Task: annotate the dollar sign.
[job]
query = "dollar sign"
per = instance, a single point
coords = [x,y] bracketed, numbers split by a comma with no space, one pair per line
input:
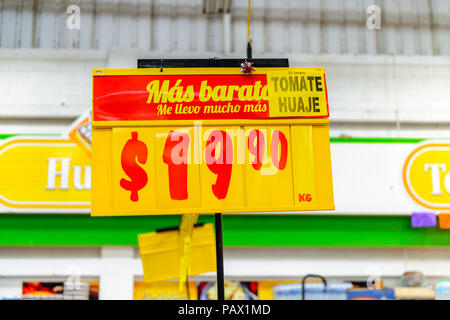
[134,150]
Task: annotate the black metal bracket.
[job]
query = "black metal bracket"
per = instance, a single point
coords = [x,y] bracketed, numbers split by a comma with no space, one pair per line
[313,276]
[211,63]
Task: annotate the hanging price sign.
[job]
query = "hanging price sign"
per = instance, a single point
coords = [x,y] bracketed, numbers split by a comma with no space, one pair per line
[210,140]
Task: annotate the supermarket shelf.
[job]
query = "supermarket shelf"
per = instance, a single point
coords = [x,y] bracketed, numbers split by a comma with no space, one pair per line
[116,268]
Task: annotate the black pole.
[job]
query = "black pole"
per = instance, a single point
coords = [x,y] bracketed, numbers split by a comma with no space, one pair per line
[219,257]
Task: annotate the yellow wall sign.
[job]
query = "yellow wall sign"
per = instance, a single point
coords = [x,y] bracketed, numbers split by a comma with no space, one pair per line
[426,175]
[42,174]
[214,140]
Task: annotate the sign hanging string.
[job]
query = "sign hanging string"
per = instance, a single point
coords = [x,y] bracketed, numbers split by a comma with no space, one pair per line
[247,65]
[248,21]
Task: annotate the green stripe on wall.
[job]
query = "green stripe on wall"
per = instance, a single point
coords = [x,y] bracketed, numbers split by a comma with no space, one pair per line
[239,230]
[4,136]
[374,140]
[332,139]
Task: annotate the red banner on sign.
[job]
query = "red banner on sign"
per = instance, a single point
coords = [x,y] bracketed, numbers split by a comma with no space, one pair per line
[180,97]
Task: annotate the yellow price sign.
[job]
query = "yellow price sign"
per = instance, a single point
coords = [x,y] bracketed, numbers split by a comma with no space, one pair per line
[209,141]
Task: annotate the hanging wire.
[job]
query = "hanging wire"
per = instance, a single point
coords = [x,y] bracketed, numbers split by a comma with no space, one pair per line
[249,41]
[247,65]
[248,20]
